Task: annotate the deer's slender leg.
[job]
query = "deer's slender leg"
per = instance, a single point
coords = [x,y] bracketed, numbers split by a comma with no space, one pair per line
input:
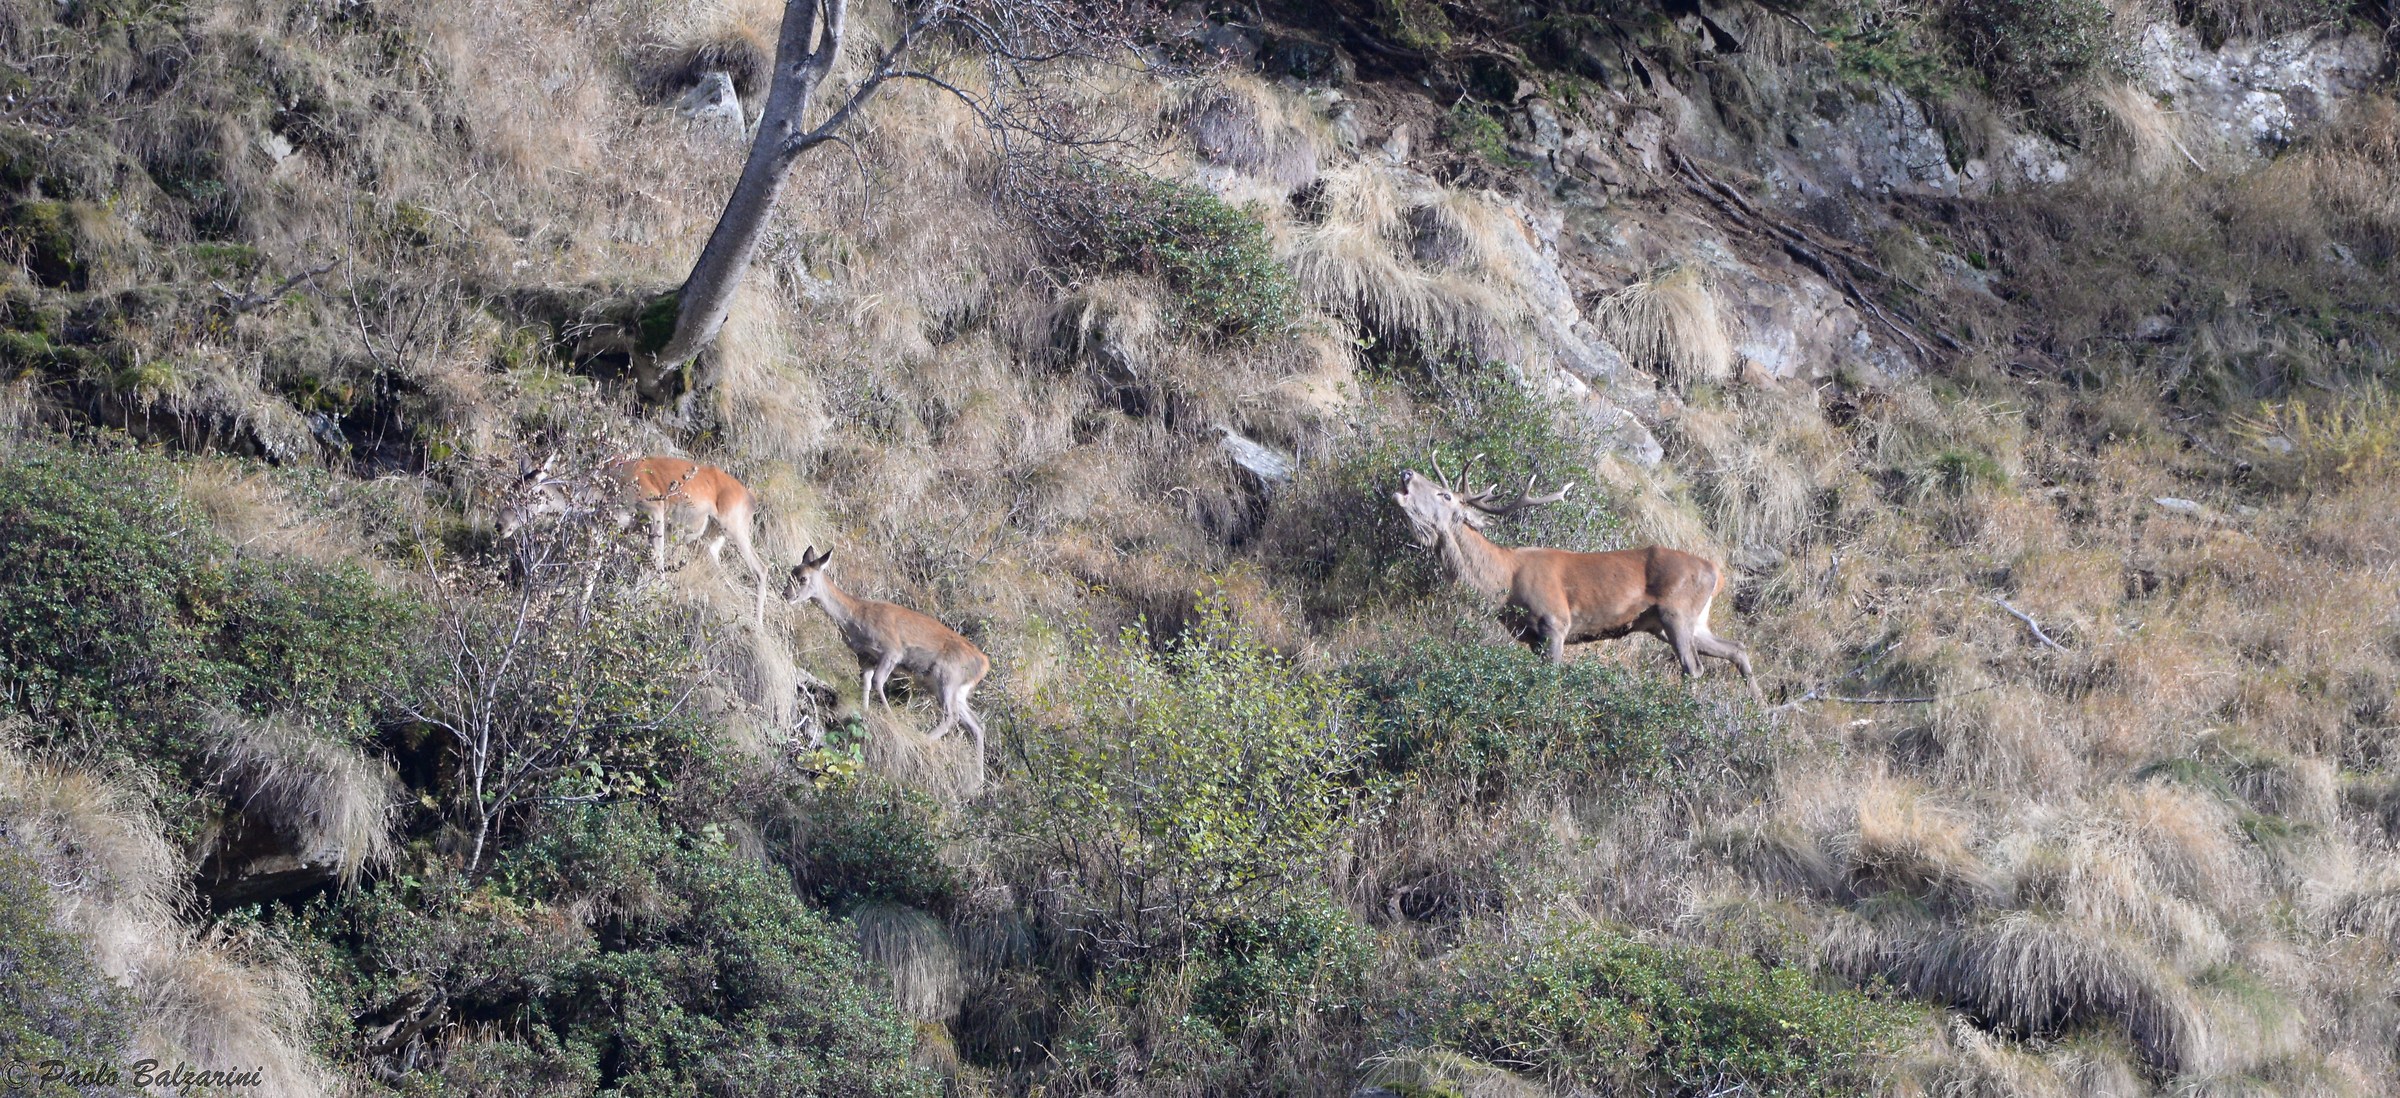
[976,727]
[1678,633]
[1554,637]
[740,533]
[949,716]
[883,675]
[658,537]
[1713,645]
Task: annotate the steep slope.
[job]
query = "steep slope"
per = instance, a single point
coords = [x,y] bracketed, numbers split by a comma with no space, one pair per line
[2030,363]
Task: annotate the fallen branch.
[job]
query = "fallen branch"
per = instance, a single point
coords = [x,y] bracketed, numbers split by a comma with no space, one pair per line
[1814,695]
[1807,250]
[249,300]
[2029,624]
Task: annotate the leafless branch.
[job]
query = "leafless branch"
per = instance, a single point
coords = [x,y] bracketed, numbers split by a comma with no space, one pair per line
[2029,624]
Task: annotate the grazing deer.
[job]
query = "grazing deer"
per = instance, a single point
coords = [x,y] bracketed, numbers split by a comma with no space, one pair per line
[697,497]
[1570,597]
[886,637]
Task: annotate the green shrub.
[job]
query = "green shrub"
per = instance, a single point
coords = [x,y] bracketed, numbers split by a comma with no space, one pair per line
[1308,955]
[124,620]
[2023,48]
[1346,544]
[693,971]
[1584,1003]
[54,1005]
[1214,256]
[734,986]
[861,842]
[1182,786]
[1495,720]
[1471,126]
[548,694]
[1419,25]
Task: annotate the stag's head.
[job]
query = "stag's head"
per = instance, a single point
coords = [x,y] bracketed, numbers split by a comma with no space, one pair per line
[809,578]
[1436,506]
[532,494]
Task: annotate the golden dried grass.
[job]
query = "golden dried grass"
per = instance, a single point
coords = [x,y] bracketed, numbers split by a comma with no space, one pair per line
[1668,323]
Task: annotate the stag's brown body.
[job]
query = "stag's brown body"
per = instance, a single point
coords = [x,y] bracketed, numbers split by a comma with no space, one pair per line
[1569,597]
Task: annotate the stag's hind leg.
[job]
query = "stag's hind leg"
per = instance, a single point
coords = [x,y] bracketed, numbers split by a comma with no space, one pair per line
[1712,645]
[954,707]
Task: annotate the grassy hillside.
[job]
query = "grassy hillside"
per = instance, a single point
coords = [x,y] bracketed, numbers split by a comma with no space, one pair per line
[2031,368]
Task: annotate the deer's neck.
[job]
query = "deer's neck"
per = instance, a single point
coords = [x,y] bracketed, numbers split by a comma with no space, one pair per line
[1473,560]
[839,605]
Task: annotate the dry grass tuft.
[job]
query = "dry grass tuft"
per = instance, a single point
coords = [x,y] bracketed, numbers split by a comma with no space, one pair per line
[1762,468]
[2038,975]
[1439,1071]
[332,798]
[913,950]
[1351,264]
[1669,325]
[898,748]
[2146,136]
[205,1000]
[1241,123]
[1900,839]
[1778,855]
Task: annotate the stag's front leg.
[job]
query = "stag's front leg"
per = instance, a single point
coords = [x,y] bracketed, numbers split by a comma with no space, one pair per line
[1678,635]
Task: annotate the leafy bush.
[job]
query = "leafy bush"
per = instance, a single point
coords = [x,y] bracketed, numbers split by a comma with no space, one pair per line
[124,620]
[1419,25]
[1183,786]
[861,842]
[1213,255]
[1500,720]
[1471,126]
[733,986]
[54,1005]
[1308,955]
[692,970]
[1586,1003]
[1345,541]
[2023,48]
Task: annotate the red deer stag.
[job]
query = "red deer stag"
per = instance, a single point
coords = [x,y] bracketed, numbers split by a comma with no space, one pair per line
[695,497]
[887,637]
[1570,597]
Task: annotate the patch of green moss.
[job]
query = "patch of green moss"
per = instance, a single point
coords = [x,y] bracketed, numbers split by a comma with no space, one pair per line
[655,324]
[217,259]
[46,230]
[1420,25]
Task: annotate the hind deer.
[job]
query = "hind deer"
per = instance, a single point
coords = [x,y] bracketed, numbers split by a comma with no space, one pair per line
[1570,597]
[887,637]
[697,497]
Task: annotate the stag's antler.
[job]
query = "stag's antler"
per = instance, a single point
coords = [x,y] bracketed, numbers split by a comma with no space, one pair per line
[1484,500]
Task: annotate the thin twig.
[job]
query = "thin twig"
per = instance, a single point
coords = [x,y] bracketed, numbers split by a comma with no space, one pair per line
[1814,696]
[2029,624]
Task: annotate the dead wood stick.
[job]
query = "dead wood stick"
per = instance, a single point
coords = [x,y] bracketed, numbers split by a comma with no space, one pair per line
[2029,624]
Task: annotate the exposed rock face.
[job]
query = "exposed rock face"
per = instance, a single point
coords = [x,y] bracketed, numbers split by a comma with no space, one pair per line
[713,107]
[2255,97]
[1881,144]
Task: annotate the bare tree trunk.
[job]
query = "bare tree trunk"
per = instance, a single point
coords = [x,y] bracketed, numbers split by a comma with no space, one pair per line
[804,53]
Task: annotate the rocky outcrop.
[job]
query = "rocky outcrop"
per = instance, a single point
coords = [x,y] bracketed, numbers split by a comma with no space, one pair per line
[2254,97]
